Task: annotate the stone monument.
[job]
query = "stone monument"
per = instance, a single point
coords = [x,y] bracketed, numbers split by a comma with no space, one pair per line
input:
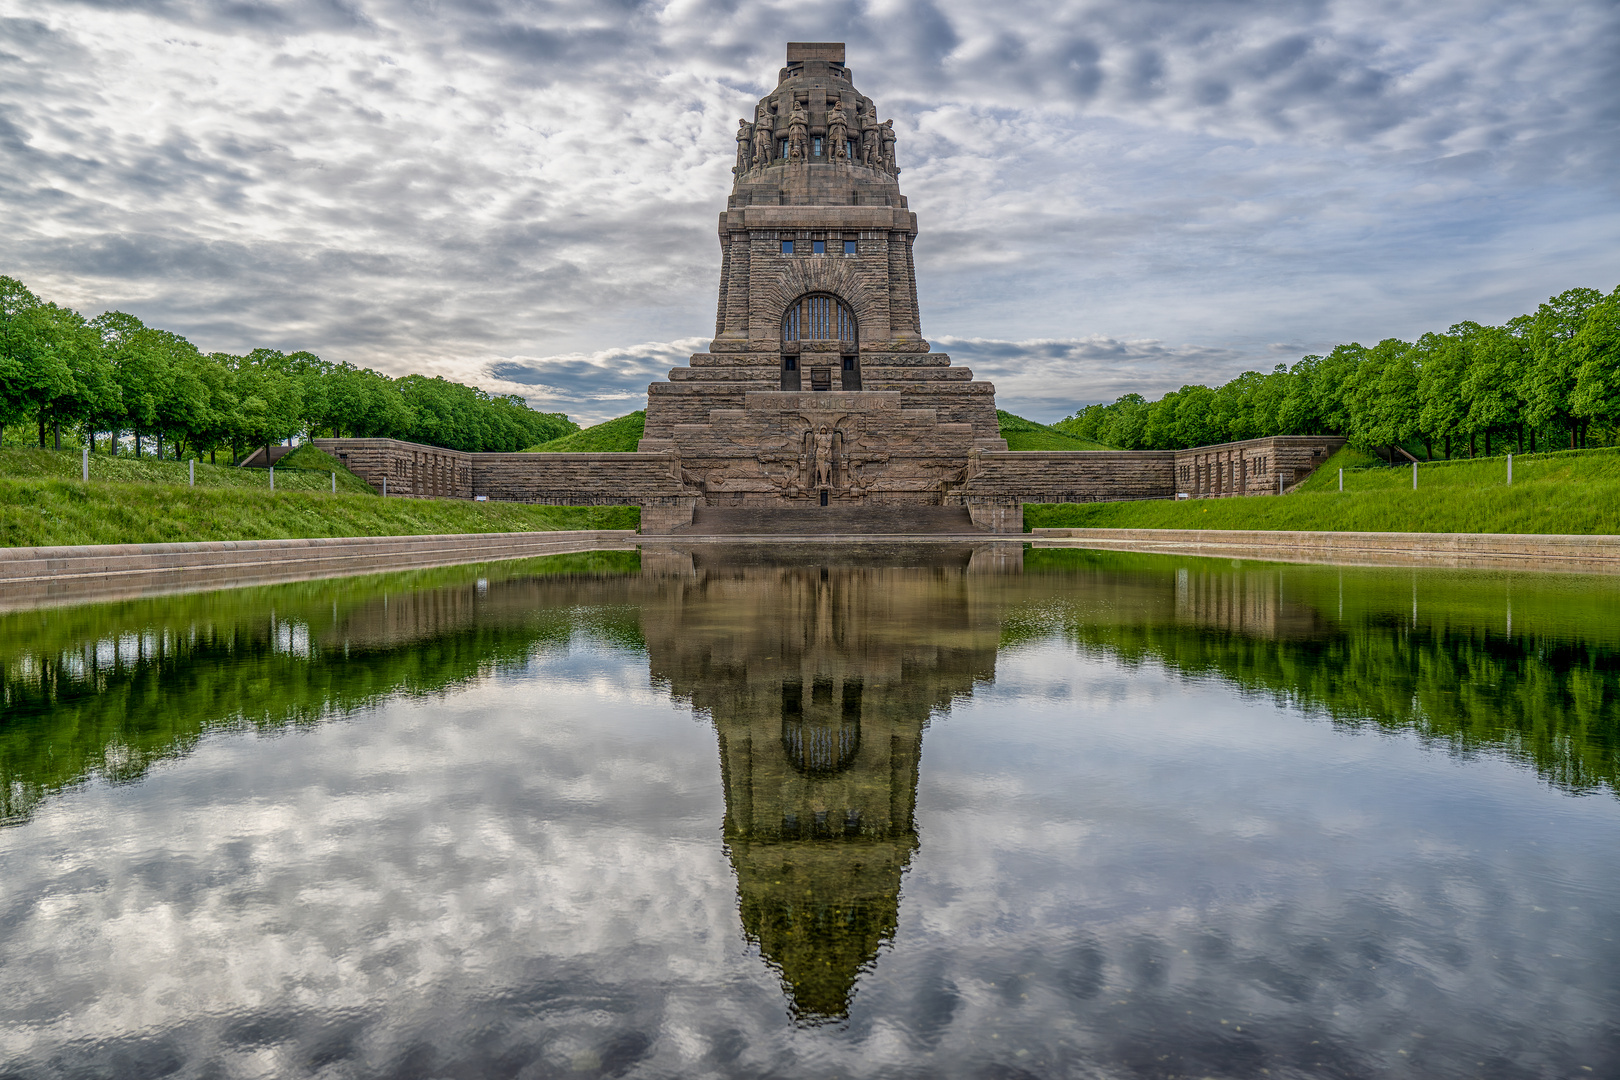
[819,389]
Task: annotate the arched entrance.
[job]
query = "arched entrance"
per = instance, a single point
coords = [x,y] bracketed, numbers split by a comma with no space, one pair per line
[820,336]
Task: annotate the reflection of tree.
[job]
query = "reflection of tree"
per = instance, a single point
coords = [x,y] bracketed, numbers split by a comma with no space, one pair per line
[819,681]
[110,689]
[1527,666]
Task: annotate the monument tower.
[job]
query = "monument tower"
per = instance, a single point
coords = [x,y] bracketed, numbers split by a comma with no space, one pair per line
[818,388]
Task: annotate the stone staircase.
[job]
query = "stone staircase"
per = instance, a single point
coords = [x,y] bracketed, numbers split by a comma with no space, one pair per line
[890,519]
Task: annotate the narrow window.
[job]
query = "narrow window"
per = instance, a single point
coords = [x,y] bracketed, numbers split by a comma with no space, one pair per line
[781,149]
[790,363]
[818,247]
[787,247]
[849,247]
[849,146]
[849,363]
[815,146]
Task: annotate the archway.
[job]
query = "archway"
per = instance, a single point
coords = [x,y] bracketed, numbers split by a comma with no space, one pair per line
[820,334]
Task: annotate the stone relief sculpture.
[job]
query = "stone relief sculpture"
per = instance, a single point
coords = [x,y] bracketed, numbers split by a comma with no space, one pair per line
[886,135]
[798,132]
[838,131]
[745,139]
[867,119]
[824,457]
[764,136]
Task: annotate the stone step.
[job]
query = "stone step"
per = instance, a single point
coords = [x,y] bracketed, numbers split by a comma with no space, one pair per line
[822,520]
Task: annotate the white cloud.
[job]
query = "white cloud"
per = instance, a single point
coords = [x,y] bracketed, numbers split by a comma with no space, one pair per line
[463,188]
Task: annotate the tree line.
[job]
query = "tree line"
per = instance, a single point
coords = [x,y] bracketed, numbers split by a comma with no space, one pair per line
[113,374]
[1546,380]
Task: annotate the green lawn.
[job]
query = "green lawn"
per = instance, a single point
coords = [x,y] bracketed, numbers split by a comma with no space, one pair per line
[1574,491]
[616,436]
[1024,434]
[305,469]
[129,500]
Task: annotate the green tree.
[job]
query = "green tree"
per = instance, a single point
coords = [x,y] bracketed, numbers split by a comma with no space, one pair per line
[1443,362]
[1597,348]
[1555,366]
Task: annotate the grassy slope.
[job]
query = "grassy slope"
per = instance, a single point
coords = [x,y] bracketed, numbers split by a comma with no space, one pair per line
[617,436]
[1569,492]
[128,501]
[305,469]
[1024,434]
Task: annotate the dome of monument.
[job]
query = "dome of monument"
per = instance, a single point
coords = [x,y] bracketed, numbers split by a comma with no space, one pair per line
[815,139]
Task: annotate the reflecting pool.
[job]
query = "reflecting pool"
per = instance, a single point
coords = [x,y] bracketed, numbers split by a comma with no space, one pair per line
[807,811]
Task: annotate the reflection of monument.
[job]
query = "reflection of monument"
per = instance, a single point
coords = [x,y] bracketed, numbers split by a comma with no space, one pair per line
[819,681]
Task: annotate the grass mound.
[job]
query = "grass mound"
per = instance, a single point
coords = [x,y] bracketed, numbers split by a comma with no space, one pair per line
[616,436]
[1024,434]
[1572,491]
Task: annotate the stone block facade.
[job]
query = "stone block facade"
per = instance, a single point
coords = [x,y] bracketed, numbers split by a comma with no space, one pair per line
[1253,467]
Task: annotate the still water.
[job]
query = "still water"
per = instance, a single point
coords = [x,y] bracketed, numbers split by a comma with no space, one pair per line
[818,813]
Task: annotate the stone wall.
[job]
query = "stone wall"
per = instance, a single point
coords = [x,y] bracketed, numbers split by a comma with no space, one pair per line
[411,469]
[416,471]
[1252,467]
[1054,476]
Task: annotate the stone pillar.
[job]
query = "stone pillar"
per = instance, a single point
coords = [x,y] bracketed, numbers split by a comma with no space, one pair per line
[725,276]
[902,318]
[737,286]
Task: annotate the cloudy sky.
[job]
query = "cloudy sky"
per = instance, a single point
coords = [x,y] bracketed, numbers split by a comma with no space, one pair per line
[1113,195]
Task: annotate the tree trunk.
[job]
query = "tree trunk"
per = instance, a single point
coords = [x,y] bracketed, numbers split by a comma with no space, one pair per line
[56,432]
[1520,430]
[1572,434]
[1428,449]
[1471,445]
[42,431]
[137,444]
[212,451]
[1448,447]
[160,446]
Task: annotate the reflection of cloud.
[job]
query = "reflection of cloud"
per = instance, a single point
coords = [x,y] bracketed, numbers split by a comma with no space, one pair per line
[449,187]
[528,874]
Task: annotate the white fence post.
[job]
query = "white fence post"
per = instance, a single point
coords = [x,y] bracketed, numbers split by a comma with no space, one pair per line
[1510,470]
[385,487]
[1341,481]
[1414,476]
[272,478]
[191,471]
[334,481]
[87,464]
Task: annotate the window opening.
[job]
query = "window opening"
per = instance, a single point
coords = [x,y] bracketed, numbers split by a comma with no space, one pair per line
[781,149]
[815,146]
[787,247]
[850,247]
[819,318]
[849,363]
[790,363]
[818,247]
